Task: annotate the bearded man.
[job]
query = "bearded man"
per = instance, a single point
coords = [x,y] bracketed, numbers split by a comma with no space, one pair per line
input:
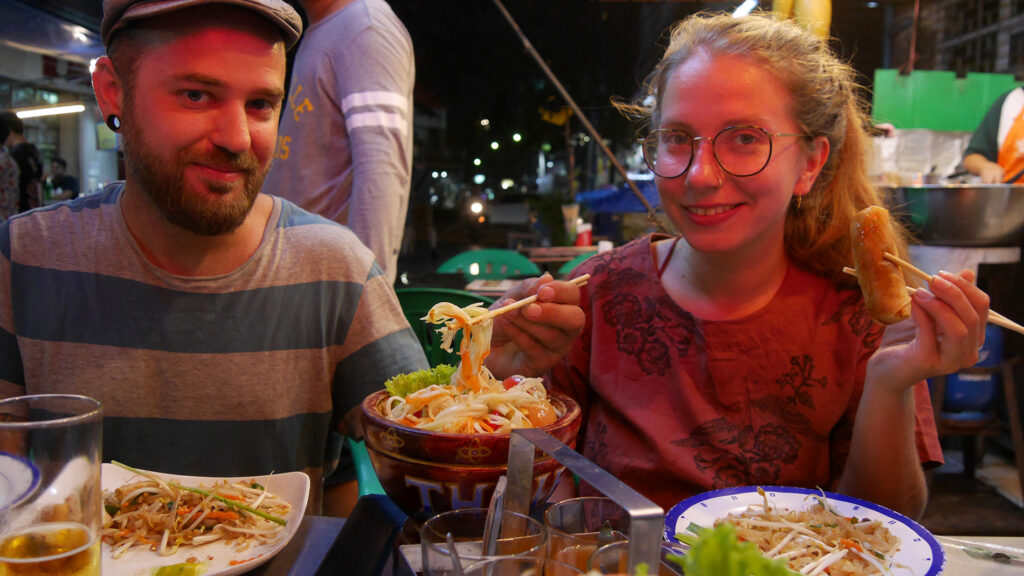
[227,332]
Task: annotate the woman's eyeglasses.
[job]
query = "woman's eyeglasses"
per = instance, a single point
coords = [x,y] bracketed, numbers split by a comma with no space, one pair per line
[739,150]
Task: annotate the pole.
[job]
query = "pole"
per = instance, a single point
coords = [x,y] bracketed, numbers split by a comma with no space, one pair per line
[651,215]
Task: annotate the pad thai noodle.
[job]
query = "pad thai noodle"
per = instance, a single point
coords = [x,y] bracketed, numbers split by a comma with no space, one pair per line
[818,540]
[474,401]
[162,515]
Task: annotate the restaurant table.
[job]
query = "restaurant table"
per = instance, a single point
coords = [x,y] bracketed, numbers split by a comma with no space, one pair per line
[490,288]
[958,563]
[306,550]
[547,254]
[360,545]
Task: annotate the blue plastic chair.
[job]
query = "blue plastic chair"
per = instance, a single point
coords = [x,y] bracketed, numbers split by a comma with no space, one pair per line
[489,264]
[416,302]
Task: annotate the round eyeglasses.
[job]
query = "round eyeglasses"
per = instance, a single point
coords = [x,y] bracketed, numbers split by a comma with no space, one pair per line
[739,150]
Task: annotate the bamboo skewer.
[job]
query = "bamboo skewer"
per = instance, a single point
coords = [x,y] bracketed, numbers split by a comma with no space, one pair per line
[520,303]
[993,316]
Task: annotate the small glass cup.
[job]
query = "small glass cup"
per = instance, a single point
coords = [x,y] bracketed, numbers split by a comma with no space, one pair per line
[614,559]
[519,536]
[521,566]
[50,513]
[579,526]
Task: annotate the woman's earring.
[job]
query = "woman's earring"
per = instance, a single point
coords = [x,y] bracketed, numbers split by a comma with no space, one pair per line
[114,122]
[799,200]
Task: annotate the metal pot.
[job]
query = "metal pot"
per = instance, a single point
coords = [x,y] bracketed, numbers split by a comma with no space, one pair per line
[961,215]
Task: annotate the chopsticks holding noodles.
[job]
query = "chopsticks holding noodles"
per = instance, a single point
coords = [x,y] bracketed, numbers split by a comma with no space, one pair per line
[993,316]
[520,303]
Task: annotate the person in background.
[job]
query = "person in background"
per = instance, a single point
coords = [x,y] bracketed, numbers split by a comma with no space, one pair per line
[30,163]
[738,353]
[345,147]
[63,186]
[226,332]
[9,176]
[996,149]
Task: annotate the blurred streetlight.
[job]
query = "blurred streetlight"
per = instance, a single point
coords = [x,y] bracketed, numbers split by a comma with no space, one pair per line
[517,137]
[494,145]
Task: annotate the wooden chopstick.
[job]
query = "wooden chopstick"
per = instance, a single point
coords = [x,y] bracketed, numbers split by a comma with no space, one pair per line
[993,316]
[520,303]
[921,274]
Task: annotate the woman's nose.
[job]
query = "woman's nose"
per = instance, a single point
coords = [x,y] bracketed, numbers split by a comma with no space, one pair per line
[704,170]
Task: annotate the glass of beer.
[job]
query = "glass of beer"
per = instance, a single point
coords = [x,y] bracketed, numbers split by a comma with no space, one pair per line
[50,493]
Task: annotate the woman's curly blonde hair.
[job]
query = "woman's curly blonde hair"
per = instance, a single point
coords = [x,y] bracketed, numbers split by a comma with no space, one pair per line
[827,101]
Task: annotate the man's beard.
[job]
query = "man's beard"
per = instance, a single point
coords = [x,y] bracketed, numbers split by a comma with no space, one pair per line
[165,185]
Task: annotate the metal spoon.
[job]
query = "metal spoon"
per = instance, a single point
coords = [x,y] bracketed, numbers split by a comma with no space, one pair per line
[492,524]
[456,561]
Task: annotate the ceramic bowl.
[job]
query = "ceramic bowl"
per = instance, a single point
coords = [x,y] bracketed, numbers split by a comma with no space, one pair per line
[426,472]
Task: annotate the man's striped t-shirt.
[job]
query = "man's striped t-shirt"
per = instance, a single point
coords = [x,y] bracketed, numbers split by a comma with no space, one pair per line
[240,374]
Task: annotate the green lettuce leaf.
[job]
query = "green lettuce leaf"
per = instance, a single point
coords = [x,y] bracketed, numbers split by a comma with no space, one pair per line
[405,384]
[718,552]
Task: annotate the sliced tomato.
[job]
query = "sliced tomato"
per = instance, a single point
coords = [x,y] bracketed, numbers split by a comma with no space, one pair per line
[511,381]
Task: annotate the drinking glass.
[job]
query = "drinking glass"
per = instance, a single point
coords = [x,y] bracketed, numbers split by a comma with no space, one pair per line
[519,536]
[50,493]
[613,559]
[579,526]
[521,566]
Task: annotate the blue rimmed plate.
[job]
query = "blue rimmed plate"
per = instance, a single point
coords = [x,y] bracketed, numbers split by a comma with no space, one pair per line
[919,551]
[18,479]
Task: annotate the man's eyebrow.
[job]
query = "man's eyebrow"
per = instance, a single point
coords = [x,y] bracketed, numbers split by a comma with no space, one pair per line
[197,78]
[213,82]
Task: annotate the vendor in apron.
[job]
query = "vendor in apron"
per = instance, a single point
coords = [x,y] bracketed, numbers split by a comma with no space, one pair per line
[996,151]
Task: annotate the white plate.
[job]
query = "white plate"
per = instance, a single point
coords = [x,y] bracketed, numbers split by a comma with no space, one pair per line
[290,486]
[18,479]
[919,550]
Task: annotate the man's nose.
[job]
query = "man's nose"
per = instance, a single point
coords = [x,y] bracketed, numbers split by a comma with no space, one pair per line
[231,131]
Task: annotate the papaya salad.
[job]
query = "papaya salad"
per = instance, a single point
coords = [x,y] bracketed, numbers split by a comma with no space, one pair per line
[162,515]
[817,540]
[467,399]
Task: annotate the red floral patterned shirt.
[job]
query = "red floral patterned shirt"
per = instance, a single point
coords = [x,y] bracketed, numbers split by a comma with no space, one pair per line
[674,405]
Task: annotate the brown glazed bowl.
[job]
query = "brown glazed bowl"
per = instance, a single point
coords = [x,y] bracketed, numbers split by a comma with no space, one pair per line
[426,472]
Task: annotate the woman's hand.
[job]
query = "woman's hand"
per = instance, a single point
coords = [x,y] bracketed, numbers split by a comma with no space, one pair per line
[943,335]
[945,329]
[529,341]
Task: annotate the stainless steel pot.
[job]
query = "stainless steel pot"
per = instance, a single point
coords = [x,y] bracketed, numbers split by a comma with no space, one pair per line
[961,215]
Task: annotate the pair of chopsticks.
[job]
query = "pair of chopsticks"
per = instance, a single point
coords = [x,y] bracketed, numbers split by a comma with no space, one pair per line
[520,303]
[993,316]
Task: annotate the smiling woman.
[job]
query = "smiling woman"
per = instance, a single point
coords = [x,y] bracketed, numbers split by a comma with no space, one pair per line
[737,352]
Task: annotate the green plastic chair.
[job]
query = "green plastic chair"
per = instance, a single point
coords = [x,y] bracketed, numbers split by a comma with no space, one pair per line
[491,264]
[365,474]
[416,302]
[566,268]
